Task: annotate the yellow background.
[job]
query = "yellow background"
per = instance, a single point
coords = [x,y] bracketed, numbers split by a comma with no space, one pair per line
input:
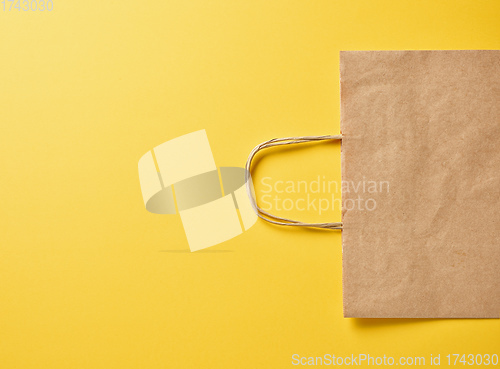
[90,279]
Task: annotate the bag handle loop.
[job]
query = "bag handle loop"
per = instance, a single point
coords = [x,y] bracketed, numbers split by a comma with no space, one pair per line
[274,219]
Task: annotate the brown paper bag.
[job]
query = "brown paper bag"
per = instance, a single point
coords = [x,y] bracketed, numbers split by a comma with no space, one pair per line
[421,183]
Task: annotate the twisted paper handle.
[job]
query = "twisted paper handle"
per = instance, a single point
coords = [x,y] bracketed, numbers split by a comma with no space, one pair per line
[273,218]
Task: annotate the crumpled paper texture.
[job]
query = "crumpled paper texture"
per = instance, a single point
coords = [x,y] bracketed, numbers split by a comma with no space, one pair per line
[428,123]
